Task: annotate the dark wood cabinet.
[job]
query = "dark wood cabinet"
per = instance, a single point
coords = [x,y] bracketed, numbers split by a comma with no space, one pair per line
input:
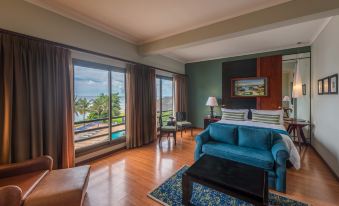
[208,120]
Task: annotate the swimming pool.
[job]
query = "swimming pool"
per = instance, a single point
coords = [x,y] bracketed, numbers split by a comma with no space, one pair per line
[116,135]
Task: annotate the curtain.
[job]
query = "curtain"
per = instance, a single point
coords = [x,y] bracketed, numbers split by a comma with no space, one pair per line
[181,93]
[36,101]
[141,106]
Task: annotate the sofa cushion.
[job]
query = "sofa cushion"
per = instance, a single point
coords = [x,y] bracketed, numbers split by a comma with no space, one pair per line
[26,182]
[61,187]
[257,138]
[250,156]
[223,133]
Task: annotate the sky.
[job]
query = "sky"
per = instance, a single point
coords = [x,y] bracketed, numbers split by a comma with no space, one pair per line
[93,82]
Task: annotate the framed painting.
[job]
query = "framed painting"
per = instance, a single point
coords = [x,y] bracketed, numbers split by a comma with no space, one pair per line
[304,89]
[320,87]
[326,88]
[333,81]
[249,87]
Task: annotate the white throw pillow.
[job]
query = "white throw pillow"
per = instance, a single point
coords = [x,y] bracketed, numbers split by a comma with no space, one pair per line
[271,112]
[245,111]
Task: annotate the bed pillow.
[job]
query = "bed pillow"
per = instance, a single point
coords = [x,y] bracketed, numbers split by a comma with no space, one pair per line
[234,114]
[268,116]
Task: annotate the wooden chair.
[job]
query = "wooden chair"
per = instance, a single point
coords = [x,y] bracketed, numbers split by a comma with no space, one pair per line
[167,129]
[182,123]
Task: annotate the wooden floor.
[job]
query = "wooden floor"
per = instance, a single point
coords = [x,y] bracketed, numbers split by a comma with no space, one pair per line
[125,177]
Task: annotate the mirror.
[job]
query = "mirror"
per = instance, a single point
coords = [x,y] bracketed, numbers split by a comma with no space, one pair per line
[296,87]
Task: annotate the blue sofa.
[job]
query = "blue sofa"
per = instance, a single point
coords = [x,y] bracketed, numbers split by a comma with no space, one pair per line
[258,147]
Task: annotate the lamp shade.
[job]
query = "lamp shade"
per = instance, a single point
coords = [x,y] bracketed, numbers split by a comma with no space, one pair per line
[212,101]
[297,83]
[286,99]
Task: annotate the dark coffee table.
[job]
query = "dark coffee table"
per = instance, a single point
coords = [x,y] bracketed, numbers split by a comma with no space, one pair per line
[238,180]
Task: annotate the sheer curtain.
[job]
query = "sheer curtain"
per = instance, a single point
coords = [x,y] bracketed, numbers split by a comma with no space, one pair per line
[36,101]
[181,93]
[141,105]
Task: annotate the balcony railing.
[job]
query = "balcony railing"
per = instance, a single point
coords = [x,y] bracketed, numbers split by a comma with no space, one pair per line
[88,127]
[165,116]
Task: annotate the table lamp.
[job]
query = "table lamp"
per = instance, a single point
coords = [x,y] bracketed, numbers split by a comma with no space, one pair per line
[212,102]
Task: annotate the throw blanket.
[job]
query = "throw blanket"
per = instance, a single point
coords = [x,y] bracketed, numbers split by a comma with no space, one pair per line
[294,154]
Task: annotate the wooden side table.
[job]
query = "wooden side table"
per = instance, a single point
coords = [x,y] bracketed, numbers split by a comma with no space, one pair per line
[295,128]
[208,120]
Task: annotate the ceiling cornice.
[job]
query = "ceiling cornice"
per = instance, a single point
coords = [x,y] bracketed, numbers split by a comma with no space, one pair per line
[48,5]
[250,53]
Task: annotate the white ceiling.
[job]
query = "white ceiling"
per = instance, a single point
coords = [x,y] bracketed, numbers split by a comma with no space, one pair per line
[281,38]
[140,21]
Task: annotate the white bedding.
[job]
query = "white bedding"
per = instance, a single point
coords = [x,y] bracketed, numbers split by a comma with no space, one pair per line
[294,154]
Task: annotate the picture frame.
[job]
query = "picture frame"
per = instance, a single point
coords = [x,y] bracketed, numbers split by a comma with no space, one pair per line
[249,87]
[304,89]
[326,85]
[320,87]
[333,84]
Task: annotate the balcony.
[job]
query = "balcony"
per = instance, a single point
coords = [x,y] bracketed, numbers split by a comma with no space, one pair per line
[93,132]
[165,116]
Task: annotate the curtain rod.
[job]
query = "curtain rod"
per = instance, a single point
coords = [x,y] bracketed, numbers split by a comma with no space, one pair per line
[80,49]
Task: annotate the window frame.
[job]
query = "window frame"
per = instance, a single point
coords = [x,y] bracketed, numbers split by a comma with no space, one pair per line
[109,69]
[161,77]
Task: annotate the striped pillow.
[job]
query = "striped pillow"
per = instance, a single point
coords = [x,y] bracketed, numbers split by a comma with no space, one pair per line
[236,116]
[266,118]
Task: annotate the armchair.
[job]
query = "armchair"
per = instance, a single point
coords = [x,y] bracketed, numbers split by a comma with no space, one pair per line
[29,183]
[19,179]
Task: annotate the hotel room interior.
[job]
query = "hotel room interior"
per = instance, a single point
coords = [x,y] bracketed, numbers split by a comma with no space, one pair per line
[149,102]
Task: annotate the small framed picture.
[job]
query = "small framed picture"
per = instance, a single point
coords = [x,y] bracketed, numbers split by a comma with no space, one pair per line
[320,87]
[304,89]
[326,88]
[333,80]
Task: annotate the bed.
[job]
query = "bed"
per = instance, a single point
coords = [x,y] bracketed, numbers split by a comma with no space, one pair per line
[294,154]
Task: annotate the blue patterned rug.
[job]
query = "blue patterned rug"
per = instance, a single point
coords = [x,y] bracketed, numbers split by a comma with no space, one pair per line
[170,193]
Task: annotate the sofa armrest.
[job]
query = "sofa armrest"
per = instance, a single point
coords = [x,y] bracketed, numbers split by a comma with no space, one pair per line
[279,151]
[37,164]
[10,195]
[201,139]
[203,136]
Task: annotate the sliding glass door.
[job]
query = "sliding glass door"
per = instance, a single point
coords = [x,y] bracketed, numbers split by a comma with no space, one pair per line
[164,98]
[99,105]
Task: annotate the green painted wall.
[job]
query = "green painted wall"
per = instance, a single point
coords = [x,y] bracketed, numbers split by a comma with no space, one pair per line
[205,79]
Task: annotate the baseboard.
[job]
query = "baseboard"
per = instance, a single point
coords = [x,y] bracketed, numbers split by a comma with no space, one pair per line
[332,171]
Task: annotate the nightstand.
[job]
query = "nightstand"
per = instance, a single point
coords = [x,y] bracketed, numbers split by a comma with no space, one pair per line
[208,120]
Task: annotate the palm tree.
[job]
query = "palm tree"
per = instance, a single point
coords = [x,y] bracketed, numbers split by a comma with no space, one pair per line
[100,106]
[116,104]
[82,106]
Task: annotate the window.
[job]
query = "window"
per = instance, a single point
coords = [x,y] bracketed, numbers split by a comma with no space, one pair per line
[99,104]
[164,86]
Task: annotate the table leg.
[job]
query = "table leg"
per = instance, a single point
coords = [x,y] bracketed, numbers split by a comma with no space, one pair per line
[303,135]
[299,137]
[289,129]
[186,190]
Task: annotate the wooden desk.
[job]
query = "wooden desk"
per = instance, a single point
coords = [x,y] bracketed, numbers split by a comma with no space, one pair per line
[295,128]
